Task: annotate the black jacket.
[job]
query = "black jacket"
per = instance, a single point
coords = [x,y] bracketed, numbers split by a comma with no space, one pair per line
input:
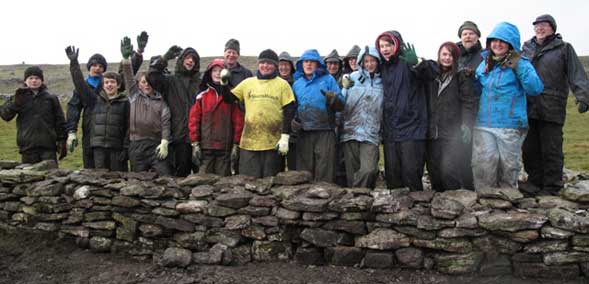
[453,105]
[40,122]
[559,68]
[179,91]
[469,58]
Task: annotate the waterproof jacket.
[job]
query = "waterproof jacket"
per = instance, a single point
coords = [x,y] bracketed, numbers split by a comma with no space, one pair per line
[216,124]
[40,122]
[238,74]
[451,103]
[312,110]
[503,100]
[149,115]
[559,67]
[404,102]
[109,127]
[179,91]
[469,58]
[362,114]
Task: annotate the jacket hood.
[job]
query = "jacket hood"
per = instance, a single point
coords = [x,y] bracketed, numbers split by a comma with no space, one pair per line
[396,37]
[353,53]
[285,56]
[332,56]
[310,54]
[506,32]
[189,51]
[371,50]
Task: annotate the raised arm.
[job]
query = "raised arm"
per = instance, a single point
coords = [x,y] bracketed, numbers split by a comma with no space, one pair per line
[77,77]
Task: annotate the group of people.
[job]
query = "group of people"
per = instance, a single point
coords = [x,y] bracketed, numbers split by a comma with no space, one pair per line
[467,116]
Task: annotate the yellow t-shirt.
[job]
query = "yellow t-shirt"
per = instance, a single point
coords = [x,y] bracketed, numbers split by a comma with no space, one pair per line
[263,101]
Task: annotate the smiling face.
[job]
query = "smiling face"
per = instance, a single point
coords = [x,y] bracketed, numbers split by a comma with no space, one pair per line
[309,67]
[543,30]
[353,64]
[284,69]
[445,57]
[144,86]
[333,67]
[266,67]
[369,63]
[188,62]
[499,47]
[387,49]
[468,38]
[96,70]
[110,86]
[231,56]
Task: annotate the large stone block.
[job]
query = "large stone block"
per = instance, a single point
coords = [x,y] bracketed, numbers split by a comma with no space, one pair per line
[320,237]
[507,194]
[271,251]
[383,239]
[458,263]
[344,256]
[410,257]
[293,177]
[176,257]
[511,221]
[569,221]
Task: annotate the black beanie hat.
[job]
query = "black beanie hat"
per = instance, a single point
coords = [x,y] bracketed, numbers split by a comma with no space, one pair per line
[34,71]
[232,44]
[548,19]
[268,55]
[468,25]
[97,59]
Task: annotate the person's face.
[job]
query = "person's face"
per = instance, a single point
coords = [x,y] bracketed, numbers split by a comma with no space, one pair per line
[144,86]
[445,57]
[284,69]
[499,47]
[188,62]
[469,38]
[266,68]
[543,30]
[96,70]
[110,86]
[231,56]
[369,63]
[332,67]
[33,82]
[353,64]
[387,49]
[216,74]
[309,67]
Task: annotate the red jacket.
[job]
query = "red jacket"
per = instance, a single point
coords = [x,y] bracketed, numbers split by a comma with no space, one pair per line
[214,123]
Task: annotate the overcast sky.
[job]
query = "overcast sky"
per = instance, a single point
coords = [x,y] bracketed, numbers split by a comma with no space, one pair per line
[37,31]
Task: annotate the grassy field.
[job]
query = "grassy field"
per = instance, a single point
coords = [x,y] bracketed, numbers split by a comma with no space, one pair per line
[576,133]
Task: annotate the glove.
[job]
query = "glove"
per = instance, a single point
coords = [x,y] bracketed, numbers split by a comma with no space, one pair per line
[466,134]
[161,151]
[21,97]
[72,141]
[409,56]
[196,153]
[173,52]
[142,41]
[123,155]
[330,96]
[72,52]
[234,153]
[583,107]
[225,75]
[282,145]
[62,149]
[295,126]
[347,82]
[126,47]
[512,61]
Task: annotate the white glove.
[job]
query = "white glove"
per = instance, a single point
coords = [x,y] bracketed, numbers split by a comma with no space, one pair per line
[347,82]
[225,75]
[72,141]
[162,150]
[282,145]
[196,152]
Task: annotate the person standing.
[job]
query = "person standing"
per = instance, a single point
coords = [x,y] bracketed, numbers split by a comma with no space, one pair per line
[560,69]
[350,60]
[286,70]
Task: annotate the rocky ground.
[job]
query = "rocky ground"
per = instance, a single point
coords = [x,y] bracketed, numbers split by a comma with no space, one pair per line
[42,258]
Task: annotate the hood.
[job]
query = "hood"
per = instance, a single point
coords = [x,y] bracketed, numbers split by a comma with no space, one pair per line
[206,77]
[285,56]
[180,67]
[353,53]
[397,39]
[371,50]
[310,54]
[332,56]
[506,32]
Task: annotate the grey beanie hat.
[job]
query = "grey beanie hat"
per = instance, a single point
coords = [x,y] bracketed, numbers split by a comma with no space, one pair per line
[232,44]
[469,25]
[548,19]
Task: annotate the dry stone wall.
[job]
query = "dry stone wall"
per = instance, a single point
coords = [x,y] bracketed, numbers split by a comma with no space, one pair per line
[207,219]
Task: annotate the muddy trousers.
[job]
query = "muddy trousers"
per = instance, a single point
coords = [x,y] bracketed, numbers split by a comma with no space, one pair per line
[33,156]
[542,155]
[361,159]
[496,156]
[181,159]
[404,163]
[143,158]
[316,154]
[216,162]
[111,159]
[444,160]
[259,164]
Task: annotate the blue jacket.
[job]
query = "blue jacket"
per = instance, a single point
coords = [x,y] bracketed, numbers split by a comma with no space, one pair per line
[503,100]
[362,114]
[312,110]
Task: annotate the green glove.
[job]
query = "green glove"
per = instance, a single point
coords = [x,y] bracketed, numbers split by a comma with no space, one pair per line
[409,57]
[126,47]
[172,52]
[142,41]
[466,134]
[583,107]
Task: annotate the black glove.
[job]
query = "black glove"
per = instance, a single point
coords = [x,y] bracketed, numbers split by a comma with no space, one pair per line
[330,96]
[583,107]
[72,52]
[142,41]
[21,97]
[173,52]
[62,149]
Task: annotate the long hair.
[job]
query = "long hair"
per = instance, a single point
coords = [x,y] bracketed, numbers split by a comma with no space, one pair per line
[454,51]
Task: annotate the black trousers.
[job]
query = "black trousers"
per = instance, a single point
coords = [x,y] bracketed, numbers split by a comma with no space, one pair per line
[87,152]
[444,159]
[107,158]
[404,162]
[181,159]
[316,154]
[143,158]
[259,164]
[216,162]
[543,156]
[34,156]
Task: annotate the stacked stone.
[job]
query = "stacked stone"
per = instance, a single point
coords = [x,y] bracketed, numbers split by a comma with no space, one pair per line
[207,219]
